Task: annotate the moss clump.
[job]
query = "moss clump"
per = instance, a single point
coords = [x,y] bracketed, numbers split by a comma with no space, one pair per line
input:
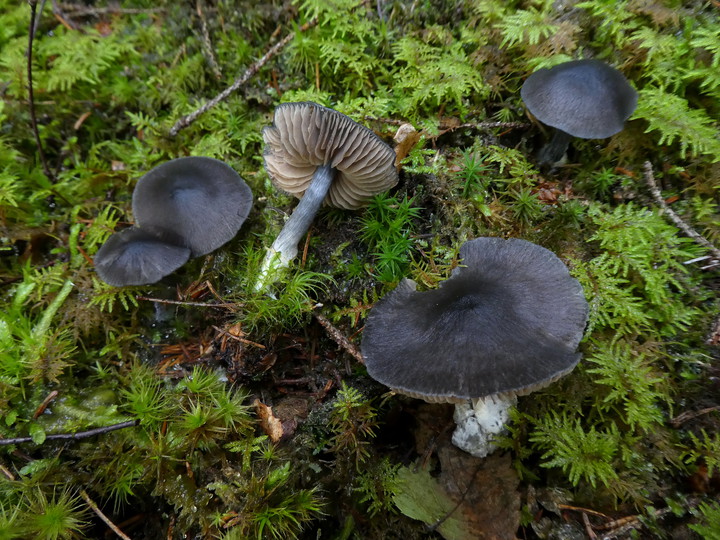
[185,357]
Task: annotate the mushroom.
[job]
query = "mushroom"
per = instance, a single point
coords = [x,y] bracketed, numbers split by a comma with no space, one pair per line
[320,155]
[197,202]
[582,98]
[136,257]
[507,322]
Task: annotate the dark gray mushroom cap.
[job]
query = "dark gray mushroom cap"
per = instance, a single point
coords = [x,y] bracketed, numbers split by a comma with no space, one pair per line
[305,135]
[197,202]
[585,98]
[507,322]
[136,257]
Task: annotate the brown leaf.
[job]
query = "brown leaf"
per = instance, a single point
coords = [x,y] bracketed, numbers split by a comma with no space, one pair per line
[482,495]
[406,136]
[271,424]
[485,489]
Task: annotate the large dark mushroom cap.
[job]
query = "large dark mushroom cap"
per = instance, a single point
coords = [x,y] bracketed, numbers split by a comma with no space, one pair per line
[305,135]
[197,202]
[136,257]
[585,98]
[508,321]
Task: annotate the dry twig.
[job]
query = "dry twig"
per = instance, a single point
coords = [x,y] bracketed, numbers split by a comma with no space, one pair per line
[229,305]
[681,418]
[588,527]
[81,10]
[185,121]
[102,516]
[72,436]
[676,219]
[31,94]
[338,337]
[41,408]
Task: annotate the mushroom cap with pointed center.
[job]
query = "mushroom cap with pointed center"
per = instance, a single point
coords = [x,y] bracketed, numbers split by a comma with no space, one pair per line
[198,202]
[585,98]
[508,321]
[136,257]
[306,135]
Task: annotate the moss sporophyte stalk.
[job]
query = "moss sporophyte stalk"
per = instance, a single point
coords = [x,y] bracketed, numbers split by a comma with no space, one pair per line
[183,387]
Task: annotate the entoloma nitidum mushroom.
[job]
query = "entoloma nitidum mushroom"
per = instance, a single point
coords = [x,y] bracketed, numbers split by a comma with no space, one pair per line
[507,322]
[184,208]
[320,155]
[582,98]
[197,202]
[135,257]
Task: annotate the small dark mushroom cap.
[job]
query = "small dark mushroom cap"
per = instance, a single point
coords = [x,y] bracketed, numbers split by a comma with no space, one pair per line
[197,202]
[136,257]
[507,322]
[585,98]
[305,135]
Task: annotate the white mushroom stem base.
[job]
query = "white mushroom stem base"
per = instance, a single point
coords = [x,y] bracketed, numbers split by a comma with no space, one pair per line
[285,247]
[478,421]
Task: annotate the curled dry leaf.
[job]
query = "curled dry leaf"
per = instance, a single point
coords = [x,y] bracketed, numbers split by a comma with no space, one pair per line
[406,136]
[271,424]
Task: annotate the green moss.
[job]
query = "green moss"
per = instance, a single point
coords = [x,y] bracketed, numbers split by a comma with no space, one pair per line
[108,87]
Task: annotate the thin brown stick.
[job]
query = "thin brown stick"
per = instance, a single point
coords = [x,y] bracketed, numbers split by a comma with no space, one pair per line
[677,220]
[102,516]
[583,510]
[303,260]
[491,125]
[79,11]
[238,338]
[474,125]
[588,527]
[73,436]
[185,121]
[10,476]
[31,93]
[681,418]
[185,303]
[338,337]
[41,409]
[62,17]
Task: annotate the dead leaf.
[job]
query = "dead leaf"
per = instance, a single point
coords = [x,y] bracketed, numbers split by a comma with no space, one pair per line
[484,502]
[271,425]
[486,491]
[291,411]
[406,136]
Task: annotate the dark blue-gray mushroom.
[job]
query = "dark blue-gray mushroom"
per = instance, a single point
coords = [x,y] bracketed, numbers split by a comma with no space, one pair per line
[507,322]
[320,156]
[583,98]
[136,257]
[196,202]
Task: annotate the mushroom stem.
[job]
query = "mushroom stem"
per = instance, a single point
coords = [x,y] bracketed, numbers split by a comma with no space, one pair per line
[478,421]
[554,151]
[285,247]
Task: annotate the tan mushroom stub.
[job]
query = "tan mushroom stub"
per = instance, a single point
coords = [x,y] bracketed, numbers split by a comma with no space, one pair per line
[306,135]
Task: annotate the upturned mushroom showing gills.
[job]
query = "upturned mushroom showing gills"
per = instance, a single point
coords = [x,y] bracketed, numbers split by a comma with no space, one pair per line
[507,322]
[197,202]
[320,155]
[136,257]
[582,98]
